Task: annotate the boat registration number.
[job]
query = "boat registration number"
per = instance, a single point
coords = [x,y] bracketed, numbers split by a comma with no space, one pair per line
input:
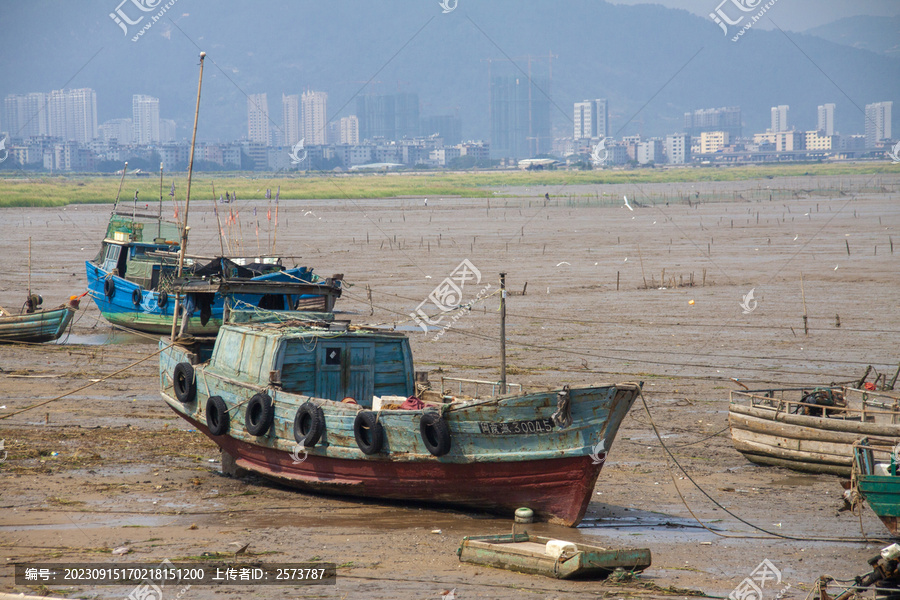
[516,427]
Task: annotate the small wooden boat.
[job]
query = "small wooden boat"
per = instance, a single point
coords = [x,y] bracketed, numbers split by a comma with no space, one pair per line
[36,325]
[325,406]
[875,478]
[536,554]
[810,429]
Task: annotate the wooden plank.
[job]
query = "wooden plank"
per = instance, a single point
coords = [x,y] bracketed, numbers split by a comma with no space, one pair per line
[817,468]
[826,424]
[789,430]
[754,447]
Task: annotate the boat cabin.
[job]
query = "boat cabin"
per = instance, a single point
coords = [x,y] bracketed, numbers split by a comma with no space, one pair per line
[332,361]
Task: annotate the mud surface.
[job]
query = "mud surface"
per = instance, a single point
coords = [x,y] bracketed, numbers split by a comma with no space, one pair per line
[110,466]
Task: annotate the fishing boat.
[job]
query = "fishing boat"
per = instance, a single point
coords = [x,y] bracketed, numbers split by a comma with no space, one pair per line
[326,406]
[810,429]
[132,279]
[875,478]
[540,555]
[34,324]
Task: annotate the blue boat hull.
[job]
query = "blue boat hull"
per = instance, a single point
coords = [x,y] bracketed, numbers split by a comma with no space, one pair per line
[120,308]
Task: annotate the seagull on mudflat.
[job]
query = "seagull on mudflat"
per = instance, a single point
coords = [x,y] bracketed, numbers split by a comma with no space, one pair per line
[628,206]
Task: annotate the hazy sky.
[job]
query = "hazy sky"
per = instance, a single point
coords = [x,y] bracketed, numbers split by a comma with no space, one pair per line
[793,15]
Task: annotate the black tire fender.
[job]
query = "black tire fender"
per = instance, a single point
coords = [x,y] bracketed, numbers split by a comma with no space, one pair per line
[137,297]
[217,415]
[260,414]
[435,433]
[162,299]
[184,383]
[109,288]
[369,432]
[309,424]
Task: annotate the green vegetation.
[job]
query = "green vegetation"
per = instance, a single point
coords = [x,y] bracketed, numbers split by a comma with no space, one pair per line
[59,190]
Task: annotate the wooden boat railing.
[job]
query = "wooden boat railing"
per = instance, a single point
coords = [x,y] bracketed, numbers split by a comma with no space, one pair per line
[860,405]
[478,382]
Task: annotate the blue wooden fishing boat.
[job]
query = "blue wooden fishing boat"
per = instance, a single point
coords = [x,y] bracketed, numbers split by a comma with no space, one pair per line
[875,478]
[326,406]
[36,325]
[132,279]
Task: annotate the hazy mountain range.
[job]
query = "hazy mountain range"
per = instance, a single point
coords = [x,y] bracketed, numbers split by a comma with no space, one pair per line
[651,62]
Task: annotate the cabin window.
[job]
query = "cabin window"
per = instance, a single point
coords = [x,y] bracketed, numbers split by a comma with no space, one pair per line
[111,257]
[332,356]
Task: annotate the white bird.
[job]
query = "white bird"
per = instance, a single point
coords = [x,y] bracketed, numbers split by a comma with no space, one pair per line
[426,201]
[628,206]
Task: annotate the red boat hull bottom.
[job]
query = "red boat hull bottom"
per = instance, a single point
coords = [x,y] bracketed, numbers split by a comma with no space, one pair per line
[557,490]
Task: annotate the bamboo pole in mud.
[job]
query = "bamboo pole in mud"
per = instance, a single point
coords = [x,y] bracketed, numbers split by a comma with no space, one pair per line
[187,201]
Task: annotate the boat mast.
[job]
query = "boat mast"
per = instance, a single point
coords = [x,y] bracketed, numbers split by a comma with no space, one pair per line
[159,222]
[187,200]
[29,268]
[121,181]
[502,333]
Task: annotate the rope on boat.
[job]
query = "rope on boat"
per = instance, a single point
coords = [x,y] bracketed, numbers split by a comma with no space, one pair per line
[61,396]
[769,534]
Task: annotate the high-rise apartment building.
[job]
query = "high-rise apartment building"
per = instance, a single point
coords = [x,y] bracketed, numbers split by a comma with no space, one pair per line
[145,119]
[72,115]
[25,115]
[290,119]
[258,119]
[349,130]
[780,118]
[713,119]
[825,121]
[591,119]
[315,117]
[118,130]
[678,148]
[520,116]
[878,123]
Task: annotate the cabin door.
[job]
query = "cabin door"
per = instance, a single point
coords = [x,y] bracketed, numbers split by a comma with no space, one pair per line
[346,369]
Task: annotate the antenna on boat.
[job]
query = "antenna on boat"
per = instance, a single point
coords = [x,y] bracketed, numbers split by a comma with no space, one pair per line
[159,221]
[121,181]
[502,333]
[187,200]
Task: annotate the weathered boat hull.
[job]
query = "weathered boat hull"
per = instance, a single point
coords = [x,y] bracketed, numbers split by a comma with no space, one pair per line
[527,554]
[798,442]
[557,490]
[548,468]
[37,327]
[148,316]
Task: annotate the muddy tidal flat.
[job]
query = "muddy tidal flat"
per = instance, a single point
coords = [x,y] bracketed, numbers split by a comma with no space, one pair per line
[651,293]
